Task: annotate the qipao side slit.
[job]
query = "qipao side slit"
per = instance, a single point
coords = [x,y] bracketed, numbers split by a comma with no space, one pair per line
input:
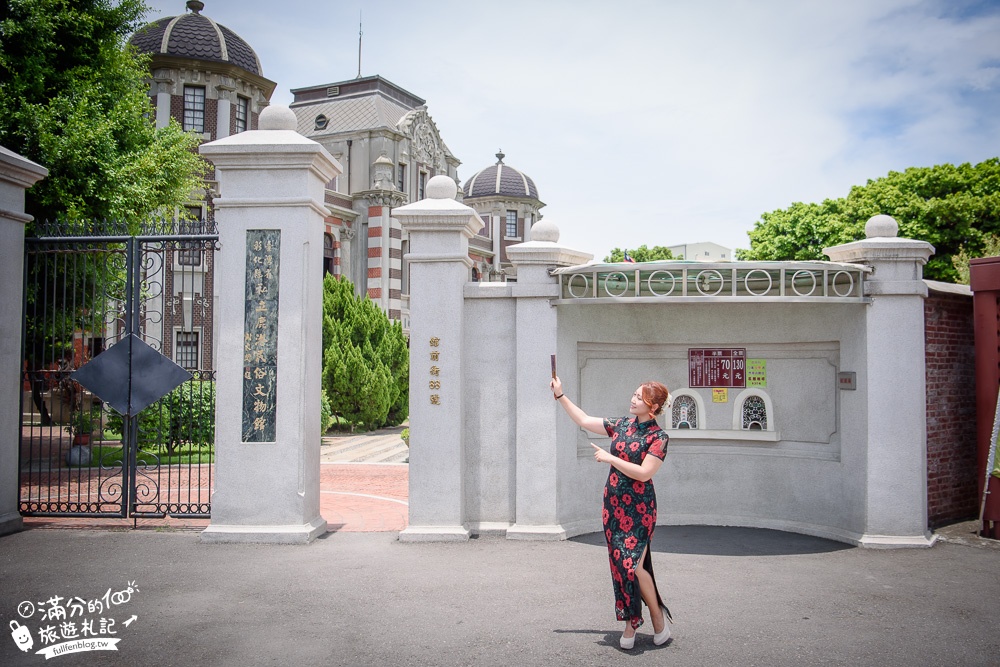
[629,514]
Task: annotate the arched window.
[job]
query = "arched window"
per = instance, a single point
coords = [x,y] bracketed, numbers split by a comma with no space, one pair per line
[684,413]
[686,410]
[754,414]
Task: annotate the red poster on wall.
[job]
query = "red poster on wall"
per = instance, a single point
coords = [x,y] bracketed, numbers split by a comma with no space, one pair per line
[717,367]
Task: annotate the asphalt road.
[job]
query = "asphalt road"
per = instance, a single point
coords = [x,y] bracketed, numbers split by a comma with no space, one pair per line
[739,597]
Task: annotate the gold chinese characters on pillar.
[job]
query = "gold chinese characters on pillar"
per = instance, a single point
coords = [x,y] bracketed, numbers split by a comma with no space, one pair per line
[260,336]
[435,382]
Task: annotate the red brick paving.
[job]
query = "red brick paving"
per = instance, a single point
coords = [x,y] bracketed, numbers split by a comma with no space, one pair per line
[354,497]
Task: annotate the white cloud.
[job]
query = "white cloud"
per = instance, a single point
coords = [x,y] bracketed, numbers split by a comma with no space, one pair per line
[662,123]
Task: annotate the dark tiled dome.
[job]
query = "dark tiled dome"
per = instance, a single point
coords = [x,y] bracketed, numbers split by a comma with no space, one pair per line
[195,36]
[500,180]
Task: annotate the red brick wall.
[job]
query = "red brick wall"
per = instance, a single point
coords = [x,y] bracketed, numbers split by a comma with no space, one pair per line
[951,408]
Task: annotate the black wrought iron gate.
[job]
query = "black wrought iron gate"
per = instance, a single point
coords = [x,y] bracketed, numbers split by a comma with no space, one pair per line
[88,288]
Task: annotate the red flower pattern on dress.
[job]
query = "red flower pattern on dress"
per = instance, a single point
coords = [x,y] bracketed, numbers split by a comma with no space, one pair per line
[630,508]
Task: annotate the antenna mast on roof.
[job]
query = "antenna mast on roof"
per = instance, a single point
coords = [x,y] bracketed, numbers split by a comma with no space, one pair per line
[359,43]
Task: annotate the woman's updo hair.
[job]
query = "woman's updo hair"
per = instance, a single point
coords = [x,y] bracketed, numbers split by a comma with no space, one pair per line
[655,393]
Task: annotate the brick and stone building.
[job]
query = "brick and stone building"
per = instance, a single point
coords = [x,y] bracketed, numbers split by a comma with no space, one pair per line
[389,147]
[210,80]
[507,201]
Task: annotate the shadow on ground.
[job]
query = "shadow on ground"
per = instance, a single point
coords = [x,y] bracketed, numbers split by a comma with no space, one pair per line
[728,541]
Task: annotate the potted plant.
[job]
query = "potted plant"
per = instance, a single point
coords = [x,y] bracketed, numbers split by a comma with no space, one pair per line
[81,426]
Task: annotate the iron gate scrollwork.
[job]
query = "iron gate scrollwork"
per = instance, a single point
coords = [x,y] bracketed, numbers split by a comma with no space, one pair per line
[88,288]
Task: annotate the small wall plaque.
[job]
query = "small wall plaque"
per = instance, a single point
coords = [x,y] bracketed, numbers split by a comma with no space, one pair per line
[847,380]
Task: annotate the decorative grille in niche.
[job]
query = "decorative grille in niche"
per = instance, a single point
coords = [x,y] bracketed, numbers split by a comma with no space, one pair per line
[684,413]
[754,414]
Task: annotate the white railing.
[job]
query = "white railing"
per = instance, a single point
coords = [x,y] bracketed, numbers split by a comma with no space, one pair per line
[703,281]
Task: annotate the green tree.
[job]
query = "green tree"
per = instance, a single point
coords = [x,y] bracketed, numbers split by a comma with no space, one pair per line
[365,359]
[991,248]
[955,209]
[73,98]
[641,254]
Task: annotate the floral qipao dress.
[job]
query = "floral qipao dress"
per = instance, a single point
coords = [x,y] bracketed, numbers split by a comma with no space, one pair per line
[630,511]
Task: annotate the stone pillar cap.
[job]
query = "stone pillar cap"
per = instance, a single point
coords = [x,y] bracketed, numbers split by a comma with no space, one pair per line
[881,226]
[543,230]
[439,210]
[277,117]
[543,249]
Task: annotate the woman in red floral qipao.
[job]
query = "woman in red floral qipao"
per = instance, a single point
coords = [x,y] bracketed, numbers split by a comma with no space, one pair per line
[638,447]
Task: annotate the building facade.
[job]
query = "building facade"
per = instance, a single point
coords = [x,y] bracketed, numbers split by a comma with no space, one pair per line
[210,80]
[390,148]
[705,251]
[507,201]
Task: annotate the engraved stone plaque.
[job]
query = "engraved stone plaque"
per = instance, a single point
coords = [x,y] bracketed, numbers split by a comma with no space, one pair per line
[260,336]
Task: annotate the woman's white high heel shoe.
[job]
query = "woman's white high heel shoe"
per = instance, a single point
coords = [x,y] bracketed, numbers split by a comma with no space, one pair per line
[661,637]
[626,642]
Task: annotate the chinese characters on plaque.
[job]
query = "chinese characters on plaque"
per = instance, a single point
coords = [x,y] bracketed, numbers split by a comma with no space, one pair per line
[260,336]
[435,382]
[717,367]
[756,372]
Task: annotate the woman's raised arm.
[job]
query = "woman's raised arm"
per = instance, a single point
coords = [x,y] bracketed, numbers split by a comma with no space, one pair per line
[579,417]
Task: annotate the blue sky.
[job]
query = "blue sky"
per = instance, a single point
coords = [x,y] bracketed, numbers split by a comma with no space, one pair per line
[661,122]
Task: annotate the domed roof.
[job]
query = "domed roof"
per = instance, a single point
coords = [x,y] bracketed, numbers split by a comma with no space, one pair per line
[196,36]
[500,180]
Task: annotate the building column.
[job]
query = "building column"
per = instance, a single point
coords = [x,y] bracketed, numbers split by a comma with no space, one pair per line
[538,459]
[439,229]
[378,233]
[17,174]
[270,215]
[895,478]
[497,220]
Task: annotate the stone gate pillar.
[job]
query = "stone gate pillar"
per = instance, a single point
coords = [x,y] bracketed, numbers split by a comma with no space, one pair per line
[538,459]
[895,478]
[269,278]
[439,230]
[17,174]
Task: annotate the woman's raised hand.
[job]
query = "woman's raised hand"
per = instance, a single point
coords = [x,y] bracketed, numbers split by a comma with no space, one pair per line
[556,386]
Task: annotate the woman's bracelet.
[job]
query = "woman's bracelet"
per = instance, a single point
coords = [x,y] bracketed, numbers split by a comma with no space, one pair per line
[559,396]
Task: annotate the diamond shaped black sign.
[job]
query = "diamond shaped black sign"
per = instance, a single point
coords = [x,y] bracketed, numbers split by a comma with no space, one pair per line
[130,375]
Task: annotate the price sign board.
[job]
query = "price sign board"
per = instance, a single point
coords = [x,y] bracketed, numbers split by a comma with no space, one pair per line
[717,367]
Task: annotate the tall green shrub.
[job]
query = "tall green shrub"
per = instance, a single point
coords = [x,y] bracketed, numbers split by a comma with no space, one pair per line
[365,359]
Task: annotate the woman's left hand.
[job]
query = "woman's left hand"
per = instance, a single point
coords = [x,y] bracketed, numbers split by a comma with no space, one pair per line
[600,455]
